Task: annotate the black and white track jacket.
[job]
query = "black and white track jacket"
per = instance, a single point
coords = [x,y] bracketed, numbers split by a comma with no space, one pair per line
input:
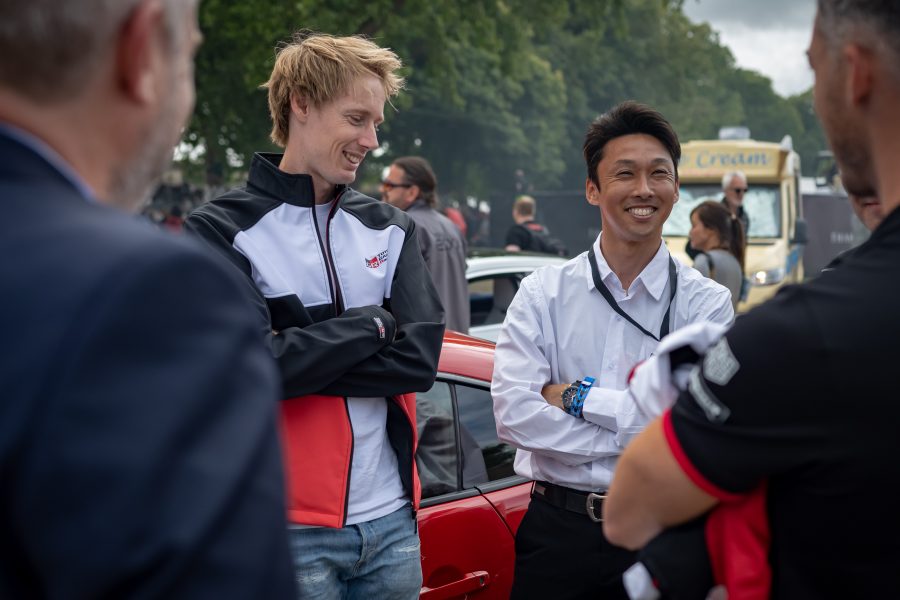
[353,314]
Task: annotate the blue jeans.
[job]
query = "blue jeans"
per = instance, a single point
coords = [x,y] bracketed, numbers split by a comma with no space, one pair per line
[377,559]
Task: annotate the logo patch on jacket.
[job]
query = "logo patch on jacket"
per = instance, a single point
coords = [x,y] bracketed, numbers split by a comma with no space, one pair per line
[377,260]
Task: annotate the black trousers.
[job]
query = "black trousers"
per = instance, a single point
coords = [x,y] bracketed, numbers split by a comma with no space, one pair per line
[561,554]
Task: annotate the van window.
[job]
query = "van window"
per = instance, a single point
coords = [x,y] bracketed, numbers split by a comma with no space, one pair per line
[762,203]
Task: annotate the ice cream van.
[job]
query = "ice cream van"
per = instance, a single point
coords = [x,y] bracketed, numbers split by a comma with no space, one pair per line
[777,229]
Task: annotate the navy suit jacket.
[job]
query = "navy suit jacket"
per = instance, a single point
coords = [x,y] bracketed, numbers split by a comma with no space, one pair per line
[138,447]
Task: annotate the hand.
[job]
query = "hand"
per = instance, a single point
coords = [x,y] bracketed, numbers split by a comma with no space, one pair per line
[553,394]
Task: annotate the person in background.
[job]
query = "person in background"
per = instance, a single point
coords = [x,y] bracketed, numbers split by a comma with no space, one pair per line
[347,307]
[734,190]
[526,234]
[718,237]
[411,186]
[139,456]
[456,217]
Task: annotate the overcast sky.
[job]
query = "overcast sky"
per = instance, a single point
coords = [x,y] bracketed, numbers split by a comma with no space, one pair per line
[768,36]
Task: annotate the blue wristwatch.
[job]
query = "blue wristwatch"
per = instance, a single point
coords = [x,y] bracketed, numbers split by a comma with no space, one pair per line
[573,397]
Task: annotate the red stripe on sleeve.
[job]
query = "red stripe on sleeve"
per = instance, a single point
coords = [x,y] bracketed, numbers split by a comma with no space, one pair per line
[689,469]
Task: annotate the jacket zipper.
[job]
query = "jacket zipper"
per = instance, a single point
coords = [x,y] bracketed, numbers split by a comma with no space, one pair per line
[349,467]
[338,303]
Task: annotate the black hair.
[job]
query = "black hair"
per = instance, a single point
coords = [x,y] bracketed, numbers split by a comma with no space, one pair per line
[714,215]
[627,118]
[418,172]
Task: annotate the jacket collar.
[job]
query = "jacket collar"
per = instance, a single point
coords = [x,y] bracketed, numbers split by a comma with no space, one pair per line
[33,156]
[291,188]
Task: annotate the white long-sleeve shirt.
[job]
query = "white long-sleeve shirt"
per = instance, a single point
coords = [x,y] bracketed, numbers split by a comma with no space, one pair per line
[559,329]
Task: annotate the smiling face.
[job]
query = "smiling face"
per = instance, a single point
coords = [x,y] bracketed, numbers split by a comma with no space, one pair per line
[637,190]
[330,141]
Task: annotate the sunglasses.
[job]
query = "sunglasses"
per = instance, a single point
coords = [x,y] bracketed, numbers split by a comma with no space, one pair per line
[739,190]
[389,185]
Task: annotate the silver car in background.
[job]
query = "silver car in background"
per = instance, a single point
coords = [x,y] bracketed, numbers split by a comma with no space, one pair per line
[494,277]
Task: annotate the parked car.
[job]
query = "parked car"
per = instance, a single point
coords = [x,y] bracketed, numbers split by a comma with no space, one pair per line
[472,500]
[494,277]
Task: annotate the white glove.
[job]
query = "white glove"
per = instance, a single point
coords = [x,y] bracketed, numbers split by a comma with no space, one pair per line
[653,386]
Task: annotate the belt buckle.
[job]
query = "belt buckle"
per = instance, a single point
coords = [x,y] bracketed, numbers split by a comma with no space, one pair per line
[589,505]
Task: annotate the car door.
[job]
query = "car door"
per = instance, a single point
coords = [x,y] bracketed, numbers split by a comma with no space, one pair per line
[472,501]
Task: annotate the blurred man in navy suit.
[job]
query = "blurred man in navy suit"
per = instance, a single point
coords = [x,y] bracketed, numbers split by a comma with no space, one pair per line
[138,449]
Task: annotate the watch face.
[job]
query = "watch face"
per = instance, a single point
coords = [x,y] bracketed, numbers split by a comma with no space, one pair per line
[568,396]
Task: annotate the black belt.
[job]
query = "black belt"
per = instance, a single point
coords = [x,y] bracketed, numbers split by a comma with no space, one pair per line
[577,501]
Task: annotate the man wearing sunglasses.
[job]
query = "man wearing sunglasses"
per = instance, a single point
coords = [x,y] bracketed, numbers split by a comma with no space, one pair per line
[411,186]
[734,185]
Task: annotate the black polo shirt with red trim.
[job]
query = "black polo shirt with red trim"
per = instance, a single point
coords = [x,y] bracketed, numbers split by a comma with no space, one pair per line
[803,393]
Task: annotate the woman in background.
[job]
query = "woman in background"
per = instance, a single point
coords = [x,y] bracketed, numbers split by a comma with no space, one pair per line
[721,241]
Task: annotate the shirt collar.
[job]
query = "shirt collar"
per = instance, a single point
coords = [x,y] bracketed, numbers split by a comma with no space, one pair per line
[654,276]
[292,188]
[51,156]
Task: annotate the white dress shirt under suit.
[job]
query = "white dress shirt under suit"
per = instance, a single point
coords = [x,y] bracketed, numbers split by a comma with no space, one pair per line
[559,329]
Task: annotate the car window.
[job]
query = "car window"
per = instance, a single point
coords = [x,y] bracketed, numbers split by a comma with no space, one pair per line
[453,455]
[487,458]
[436,457]
[489,297]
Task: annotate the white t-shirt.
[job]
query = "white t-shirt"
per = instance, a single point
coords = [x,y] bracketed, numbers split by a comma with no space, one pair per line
[375,486]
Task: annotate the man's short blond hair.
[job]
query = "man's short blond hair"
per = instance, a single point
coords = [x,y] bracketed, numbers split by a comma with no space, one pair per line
[525,206]
[322,67]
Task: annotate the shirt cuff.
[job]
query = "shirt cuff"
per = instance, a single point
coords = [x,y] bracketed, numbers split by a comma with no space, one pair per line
[603,406]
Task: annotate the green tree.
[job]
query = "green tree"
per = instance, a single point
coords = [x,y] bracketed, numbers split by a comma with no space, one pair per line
[494,86]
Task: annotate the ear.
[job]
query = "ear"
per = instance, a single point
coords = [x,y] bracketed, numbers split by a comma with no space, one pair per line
[300,106]
[591,192]
[677,188]
[860,67]
[139,53]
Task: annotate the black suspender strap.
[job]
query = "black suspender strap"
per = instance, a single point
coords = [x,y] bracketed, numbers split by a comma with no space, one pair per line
[673,284]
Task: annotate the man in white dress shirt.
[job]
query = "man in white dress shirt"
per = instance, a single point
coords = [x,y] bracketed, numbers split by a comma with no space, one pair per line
[571,337]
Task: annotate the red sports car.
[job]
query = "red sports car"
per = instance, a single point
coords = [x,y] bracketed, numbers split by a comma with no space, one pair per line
[472,501]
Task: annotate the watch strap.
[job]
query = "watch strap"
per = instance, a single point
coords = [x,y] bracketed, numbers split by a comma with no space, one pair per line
[577,408]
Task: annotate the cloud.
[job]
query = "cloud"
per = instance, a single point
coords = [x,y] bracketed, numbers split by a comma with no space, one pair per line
[762,14]
[767,36]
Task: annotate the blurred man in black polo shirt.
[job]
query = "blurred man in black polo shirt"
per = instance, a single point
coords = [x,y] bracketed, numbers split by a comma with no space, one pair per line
[794,398]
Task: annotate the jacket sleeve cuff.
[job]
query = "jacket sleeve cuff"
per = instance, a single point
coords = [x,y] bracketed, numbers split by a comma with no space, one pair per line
[384,324]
